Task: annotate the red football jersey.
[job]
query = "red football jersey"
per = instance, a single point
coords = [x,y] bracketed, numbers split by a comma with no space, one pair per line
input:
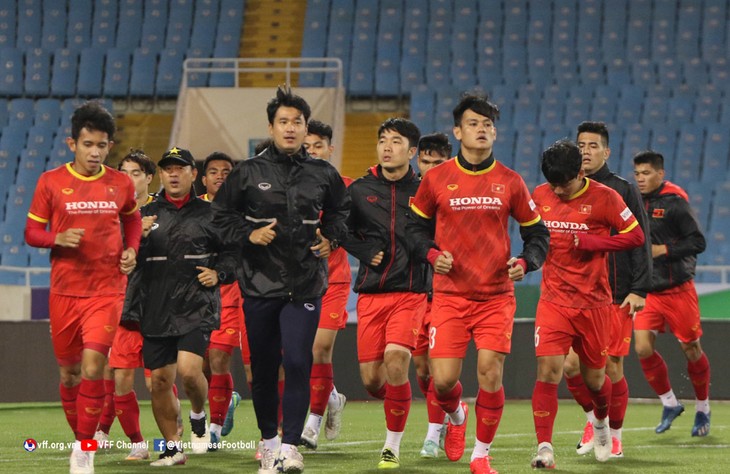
[471,209]
[572,277]
[65,199]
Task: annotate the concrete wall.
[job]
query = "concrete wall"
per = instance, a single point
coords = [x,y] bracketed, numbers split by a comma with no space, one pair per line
[29,371]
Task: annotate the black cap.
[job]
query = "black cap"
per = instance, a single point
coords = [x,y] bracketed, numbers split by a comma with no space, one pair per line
[177,156]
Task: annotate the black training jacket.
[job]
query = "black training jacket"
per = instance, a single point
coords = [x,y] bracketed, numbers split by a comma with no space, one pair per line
[303,194]
[673,224]
[380,211]
[629,271]
[164,293]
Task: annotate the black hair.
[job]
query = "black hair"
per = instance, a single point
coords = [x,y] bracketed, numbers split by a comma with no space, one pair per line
[478,103]
[594,127]
[435,142]
[217,156]
[92,116]
[561,162]
[263,145]
[404,127]
[138,156]
[285,98]
[321,129]
[656,160]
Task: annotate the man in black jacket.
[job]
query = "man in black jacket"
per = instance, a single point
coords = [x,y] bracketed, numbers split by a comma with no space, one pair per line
[630,278]
[174,294]
[676,240]
[289,211]
[392,287]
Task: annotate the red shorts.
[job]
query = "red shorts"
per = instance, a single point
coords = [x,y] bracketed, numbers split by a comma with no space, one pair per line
[677,307]
[557,328]
[229,334]
[387,318]
[79,323]
[245,351]
[334,307]
[422,338]
[455,320]
[126,350]
[619,336]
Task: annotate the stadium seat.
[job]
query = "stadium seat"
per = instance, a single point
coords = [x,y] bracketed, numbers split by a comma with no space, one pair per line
[8,24]
[638,32]
[64,73]
[37,72]
[422,106]
[116,73]
[29,30]
[104,29]
[47,112]
[11,72]
[78,31]
[4,114]
[91,72]
[700,199]
[131,17]
[142,75]
[663,27]
[715,155]
[15,256]
[169,73]
[153,30]
[21,112]
[504,146]
[713,28]
[614,30]
[688,29]
[40,139]
[687,161]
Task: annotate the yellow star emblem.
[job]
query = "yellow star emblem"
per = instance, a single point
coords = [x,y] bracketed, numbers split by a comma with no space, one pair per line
[174,151]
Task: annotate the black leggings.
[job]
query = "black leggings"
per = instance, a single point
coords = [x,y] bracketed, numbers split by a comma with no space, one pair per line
[281,331]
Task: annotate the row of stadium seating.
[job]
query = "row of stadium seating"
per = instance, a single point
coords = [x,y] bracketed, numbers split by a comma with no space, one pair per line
[115,49]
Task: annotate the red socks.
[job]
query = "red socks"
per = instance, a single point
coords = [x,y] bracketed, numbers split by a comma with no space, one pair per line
[280,415]
[619,402]
[127,410]
[107,414]
[544,410]
[219,396]
[580,392]
[423,384]
[602,399]
[435,413]
[449,402]
[320,387]
[489,412]
[397,405]
[699,375]
[68,402]
[655,372]
[89,404]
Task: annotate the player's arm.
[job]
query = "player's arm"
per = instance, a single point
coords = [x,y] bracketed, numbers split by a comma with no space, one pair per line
[639,257]
[359,243]
[689,238]
[536,241]
[228,207]
[335,210]
[628,238]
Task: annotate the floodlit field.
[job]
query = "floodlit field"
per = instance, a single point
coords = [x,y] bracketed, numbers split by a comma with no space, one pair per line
[357,449]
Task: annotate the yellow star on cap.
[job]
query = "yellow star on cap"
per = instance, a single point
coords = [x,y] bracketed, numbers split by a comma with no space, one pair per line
[174,151]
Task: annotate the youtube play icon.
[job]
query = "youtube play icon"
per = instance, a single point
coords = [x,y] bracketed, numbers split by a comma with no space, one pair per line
[89,445]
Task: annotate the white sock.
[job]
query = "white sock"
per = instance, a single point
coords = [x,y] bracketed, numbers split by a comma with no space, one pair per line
[392,441]
[272,444]
[616,433]
[458,416]
[434,432]
[481,450]
[215,429]
[334,400]
[197,416]
[669,399]
[285,448]
[703,406]
[590,416]
[600,423]
[77,445]
[315,422]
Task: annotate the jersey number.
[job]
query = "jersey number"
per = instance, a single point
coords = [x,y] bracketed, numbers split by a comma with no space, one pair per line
[431,337]
[537,336]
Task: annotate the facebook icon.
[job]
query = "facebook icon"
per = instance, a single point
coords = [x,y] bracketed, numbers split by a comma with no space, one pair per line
[159,444]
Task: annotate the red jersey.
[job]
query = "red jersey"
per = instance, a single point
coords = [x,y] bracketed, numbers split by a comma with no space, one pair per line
[65,199]
[472,210]
[572,277]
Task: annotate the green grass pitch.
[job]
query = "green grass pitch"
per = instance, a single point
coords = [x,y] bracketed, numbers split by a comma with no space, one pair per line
[357,449]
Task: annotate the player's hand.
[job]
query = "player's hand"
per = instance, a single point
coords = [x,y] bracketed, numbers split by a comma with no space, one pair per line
[576,240]
[128,261]
[147,222]
[515,271]
[443,263]
[635,302]
[377,259]
[263,235]
[207,276]
[658,250]
[70,238]
[321,247]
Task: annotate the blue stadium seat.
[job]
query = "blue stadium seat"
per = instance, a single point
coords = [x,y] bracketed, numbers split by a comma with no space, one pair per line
[204,26]
[422,106]
[655,110]
[104,29]
[21,112]
[39,257]
[577,109]
[67,109]
[707,104]
[37,72]
[715,155]
[29,171]
[680,110]
[643,72]
[29,25]
[153,30]
[15,256]
[142,76]
[527,155]
[91,72]
[614,30]
[116,74]
[40,139]
[663,26]
[687,161]
[629,104]
[636,139]
[700,199]
[78,31]
[196,79]
[688,29]
[664,140]
[713,28]
[8,168]
[47,112]
[4,114]
[8,26]
[178,34]
[589,27]
[696,71]
[169,73]
[670,72]
[638,32]
[413,59]
[504,147]
[11,72]
[131,17]
[64,73]
[387,78]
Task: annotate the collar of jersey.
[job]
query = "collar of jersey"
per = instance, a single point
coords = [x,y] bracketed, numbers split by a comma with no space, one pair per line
[462,164]
[582,190]
[86,178]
